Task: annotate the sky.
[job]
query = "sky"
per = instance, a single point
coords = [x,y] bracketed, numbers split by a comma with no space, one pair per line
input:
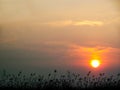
[42,35]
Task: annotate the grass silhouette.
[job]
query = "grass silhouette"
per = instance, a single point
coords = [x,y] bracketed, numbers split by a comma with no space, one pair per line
[55,81]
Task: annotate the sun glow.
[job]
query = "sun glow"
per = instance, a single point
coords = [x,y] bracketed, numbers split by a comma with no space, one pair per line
[95,63]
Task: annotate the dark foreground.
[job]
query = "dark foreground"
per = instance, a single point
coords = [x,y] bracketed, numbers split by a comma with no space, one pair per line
[55,81]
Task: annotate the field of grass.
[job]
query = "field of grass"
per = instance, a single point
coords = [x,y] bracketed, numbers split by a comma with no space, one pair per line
[56,81]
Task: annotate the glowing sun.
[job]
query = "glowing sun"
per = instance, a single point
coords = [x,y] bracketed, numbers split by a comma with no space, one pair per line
[95,63]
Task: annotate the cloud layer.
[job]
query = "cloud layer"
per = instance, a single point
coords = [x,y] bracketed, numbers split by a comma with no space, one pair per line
[75,23]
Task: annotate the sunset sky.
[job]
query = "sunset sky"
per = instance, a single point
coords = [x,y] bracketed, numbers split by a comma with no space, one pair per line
[59,34]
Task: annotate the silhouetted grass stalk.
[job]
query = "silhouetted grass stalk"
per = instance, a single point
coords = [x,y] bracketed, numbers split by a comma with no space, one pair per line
[56,81]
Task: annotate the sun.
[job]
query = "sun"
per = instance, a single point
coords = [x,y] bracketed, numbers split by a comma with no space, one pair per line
[95,63]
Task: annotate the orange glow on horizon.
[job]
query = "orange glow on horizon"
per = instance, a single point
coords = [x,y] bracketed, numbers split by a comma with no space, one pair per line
[83,56]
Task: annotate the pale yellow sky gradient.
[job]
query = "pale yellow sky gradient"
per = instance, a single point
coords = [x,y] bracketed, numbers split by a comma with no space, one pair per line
[39,11]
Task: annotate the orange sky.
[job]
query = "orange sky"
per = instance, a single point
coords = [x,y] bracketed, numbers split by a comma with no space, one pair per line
[59,33]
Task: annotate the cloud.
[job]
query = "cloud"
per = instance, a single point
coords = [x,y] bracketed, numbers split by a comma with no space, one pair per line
[74,23]
[62,23]
[88,23]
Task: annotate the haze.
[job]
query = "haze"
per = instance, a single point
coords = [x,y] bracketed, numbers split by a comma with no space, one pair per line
[59,34]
